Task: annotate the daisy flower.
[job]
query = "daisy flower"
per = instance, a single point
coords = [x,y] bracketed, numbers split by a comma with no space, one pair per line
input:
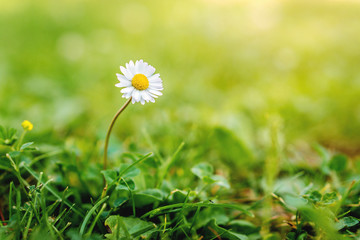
[139,82]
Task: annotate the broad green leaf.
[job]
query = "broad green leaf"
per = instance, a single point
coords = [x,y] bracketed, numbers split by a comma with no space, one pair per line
[109,175]
[203,170]
[179,196]
[131,172]
[221,181]
[315,196]
[113,222]
[147,197]
[207,214]
[208,180]
[347,222]
[130,184]
[243,227]
[338,163]
[329,198]
[122,187]
[223,233]
[26,145]
[120,201]
[121,226]
[14,154]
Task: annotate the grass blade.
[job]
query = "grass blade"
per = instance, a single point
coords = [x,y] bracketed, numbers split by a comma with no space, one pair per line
[134,163]
[88,215]
[96,219]
[53,191]
[159,210]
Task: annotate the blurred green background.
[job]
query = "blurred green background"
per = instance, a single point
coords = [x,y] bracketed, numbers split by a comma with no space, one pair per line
[224,63]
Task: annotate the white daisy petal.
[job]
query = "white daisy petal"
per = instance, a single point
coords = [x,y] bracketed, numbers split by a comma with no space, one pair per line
[137,66]
[147,96]
[156,92]
[126,73]
[123,84]
[155,78]
[131,63]
[128,68]
[155,88]
[149,71]
[128,95]
[121,77]
[131,67]
[144,95]
[136,95]
[153,95]
[155,85]
[127,90]
[156,81]
[141,66]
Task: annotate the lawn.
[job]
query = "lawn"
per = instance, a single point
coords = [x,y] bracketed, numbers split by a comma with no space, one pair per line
[256,134]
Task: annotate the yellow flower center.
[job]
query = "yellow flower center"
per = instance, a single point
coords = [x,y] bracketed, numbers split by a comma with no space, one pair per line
[140,81]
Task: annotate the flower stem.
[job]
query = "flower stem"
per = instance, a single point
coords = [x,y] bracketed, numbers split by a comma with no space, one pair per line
[109,131]
[21,139]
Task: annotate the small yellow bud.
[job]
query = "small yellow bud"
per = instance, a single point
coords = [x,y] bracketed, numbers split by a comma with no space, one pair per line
[27,125]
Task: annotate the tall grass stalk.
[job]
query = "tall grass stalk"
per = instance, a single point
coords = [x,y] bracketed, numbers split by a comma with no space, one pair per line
[272,164]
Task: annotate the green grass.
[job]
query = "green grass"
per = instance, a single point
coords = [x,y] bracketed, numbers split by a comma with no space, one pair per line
[257,134]
[154,198]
